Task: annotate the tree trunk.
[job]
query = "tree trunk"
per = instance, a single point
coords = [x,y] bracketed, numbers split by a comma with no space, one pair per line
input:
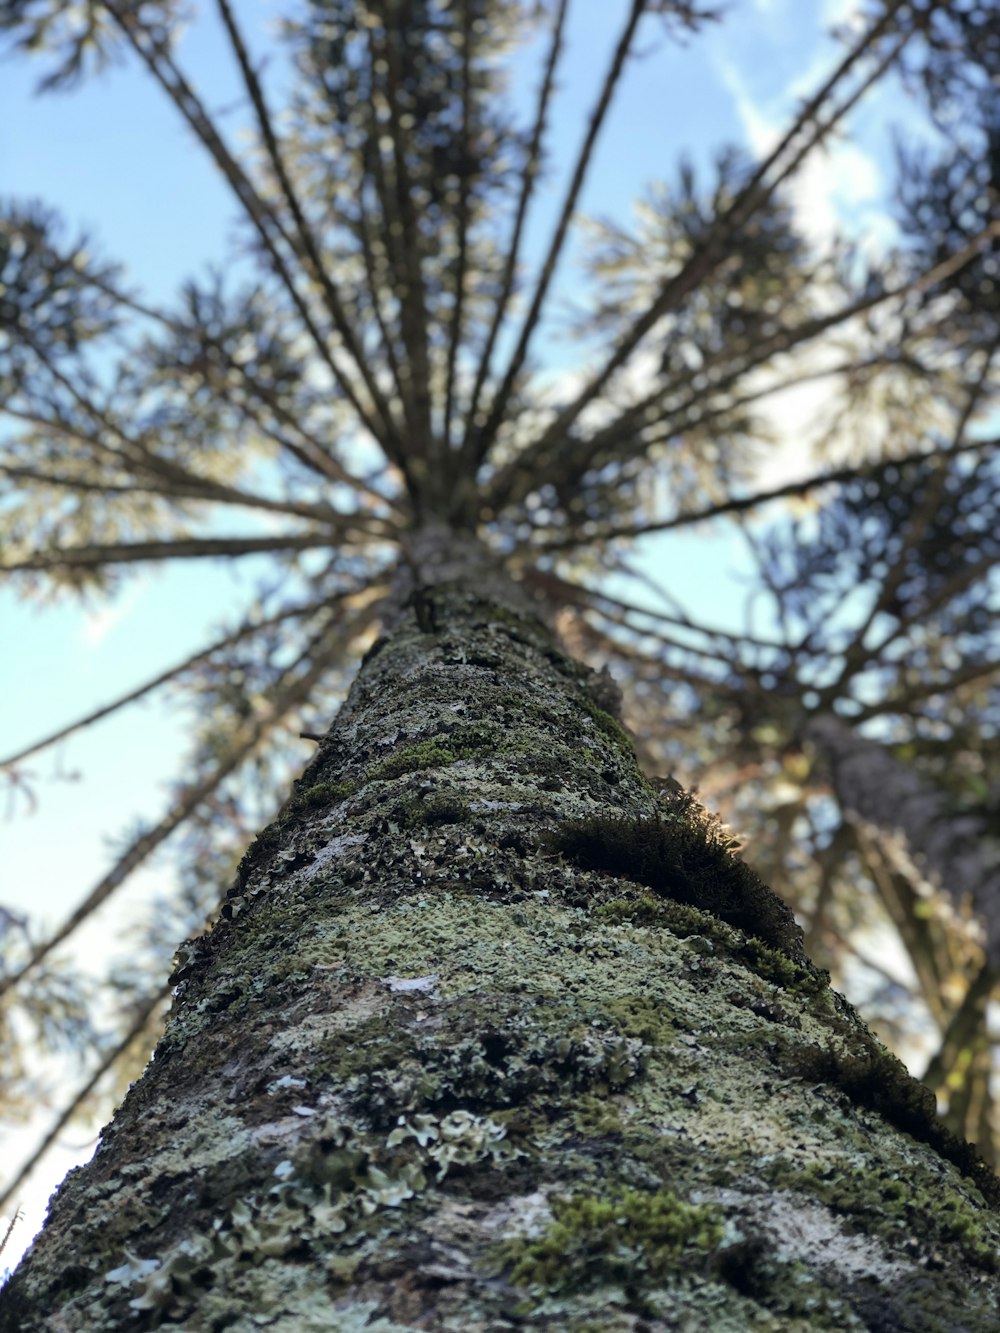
[494,1034]
[955,851]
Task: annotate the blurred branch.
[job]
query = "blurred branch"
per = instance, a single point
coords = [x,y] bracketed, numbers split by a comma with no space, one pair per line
[861,651]
[963,1024]
[202,655]
[742,504]
[181,548]
[110,1057]
[289,692]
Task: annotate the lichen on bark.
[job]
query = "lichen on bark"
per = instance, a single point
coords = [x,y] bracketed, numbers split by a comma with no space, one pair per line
[429,1047]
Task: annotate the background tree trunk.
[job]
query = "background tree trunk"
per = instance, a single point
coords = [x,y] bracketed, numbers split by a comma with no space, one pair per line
[468,1052]
[954,850]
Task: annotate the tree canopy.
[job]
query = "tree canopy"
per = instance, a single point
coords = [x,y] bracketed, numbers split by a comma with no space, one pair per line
[376,360]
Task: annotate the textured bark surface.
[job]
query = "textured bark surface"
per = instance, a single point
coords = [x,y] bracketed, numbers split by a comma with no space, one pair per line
[431,1072]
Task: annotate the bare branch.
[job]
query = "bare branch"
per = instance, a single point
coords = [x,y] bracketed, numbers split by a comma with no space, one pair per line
[861,651]
[267,225]
[975,672]
[512,483]
[139,455]
[742,504]
[966,1019]
[717,244]
[181,548]
[388,335]
[617,609]
[204,490]
[303,610]
[314,456]
[809,113]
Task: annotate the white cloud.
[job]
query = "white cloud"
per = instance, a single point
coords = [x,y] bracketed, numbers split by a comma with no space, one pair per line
[837,188]
[846,13]
[761,131]
[835,191]
[97,625]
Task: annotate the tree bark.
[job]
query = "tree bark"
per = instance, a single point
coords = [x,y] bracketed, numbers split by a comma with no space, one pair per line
[495,1034]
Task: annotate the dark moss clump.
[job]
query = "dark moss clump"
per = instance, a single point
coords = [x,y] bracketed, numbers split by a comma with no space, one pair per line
[323,793]
[633,1240]
[426,754]
[884,1201]
[433,811]
[645,909]
[684,855]
[874,1078]
[468,738]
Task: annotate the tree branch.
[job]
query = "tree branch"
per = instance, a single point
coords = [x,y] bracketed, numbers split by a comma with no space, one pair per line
[307,243]
[110,1057]
[743,504]
[290,692]
[264,221]
[502,396]
[860,653]
[717,243]
[471,443]
[315,458]
[202,655]
[191,548]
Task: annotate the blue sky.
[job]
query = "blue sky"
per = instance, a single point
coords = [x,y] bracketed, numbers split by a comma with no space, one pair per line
[115,158]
